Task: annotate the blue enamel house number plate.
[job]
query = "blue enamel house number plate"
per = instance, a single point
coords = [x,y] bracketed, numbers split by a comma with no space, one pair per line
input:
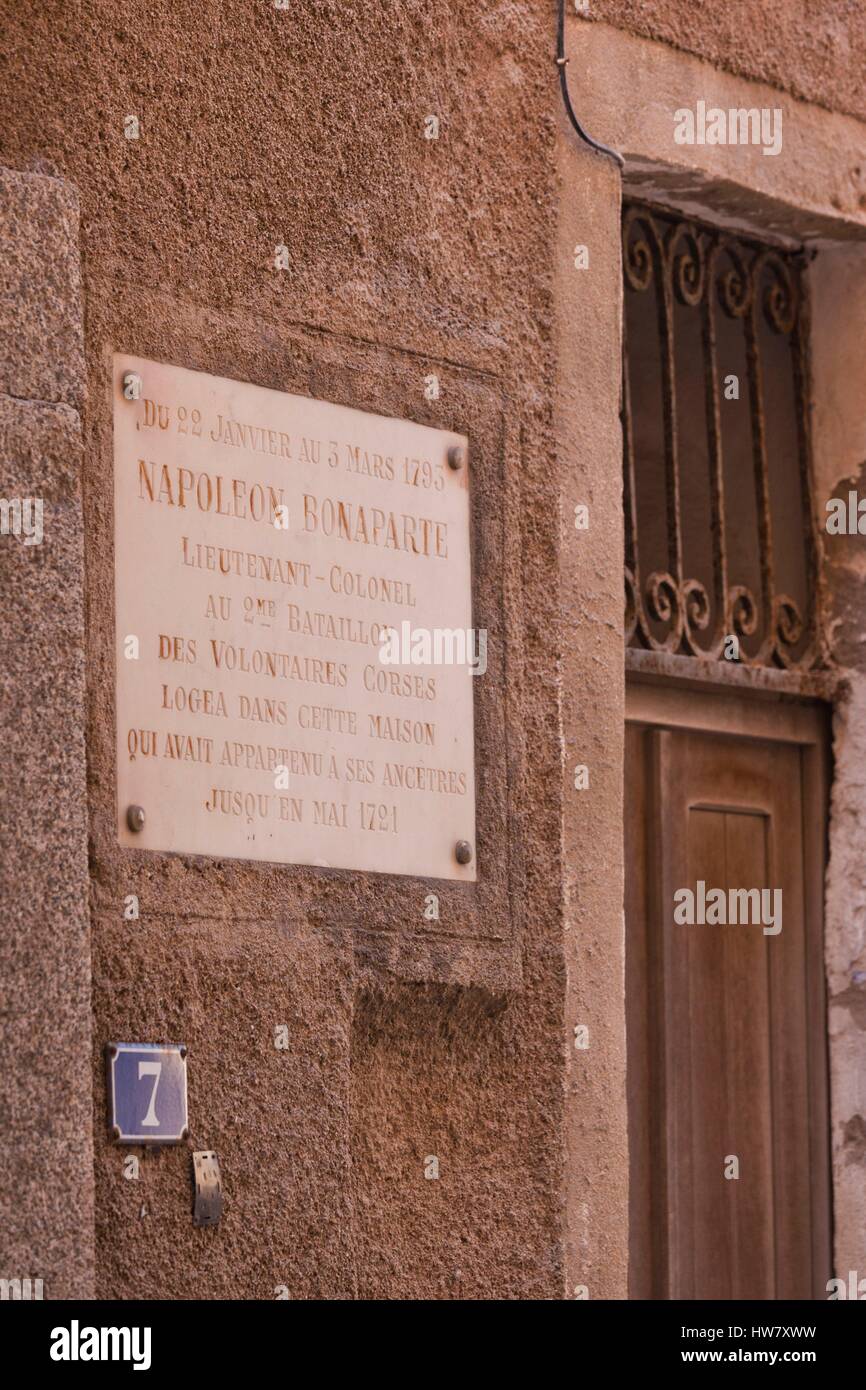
[147,1093]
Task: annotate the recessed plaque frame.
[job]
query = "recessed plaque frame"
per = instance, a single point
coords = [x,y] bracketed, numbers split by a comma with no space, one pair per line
[381,916]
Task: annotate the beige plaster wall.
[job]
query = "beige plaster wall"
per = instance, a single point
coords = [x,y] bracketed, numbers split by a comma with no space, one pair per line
[812,49]
[591,713]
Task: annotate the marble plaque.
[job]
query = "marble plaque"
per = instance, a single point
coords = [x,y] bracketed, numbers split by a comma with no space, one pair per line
[294,629]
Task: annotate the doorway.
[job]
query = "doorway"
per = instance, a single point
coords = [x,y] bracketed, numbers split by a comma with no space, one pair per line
[726,799]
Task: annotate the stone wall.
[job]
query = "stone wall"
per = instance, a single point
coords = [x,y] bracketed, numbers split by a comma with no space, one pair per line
[46,1155]
[305,128]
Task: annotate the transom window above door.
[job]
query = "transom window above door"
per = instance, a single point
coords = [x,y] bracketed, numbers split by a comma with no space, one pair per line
[721,539]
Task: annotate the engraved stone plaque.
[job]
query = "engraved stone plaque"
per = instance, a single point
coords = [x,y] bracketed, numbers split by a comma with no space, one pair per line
[295,649]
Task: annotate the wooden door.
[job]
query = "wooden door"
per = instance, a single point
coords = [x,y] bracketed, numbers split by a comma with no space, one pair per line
[729,1142]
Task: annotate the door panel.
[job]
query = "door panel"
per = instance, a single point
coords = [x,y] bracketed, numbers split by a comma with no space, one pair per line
[725,1061]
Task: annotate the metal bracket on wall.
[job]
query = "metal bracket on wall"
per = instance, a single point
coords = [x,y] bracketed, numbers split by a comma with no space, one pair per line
[208,1205]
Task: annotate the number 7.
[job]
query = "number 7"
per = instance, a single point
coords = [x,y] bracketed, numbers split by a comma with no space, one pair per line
[150,1069]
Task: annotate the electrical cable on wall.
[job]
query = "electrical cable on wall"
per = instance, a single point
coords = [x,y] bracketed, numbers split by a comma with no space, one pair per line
[561,62]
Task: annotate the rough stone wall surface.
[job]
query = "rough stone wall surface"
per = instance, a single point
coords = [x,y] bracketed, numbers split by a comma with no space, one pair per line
[846,972]
[424,1063]
[810,48]
[46,1154]
[305,127]
[838,298]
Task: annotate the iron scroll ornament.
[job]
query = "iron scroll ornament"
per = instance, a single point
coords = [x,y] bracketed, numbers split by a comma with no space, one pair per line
[710,271]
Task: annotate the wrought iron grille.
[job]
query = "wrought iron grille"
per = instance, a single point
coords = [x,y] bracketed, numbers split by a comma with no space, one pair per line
[721,539]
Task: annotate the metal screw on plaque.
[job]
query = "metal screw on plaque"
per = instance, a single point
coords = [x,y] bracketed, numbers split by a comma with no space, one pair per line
[463,851]
[456,457]
[135,818]
[132,386]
